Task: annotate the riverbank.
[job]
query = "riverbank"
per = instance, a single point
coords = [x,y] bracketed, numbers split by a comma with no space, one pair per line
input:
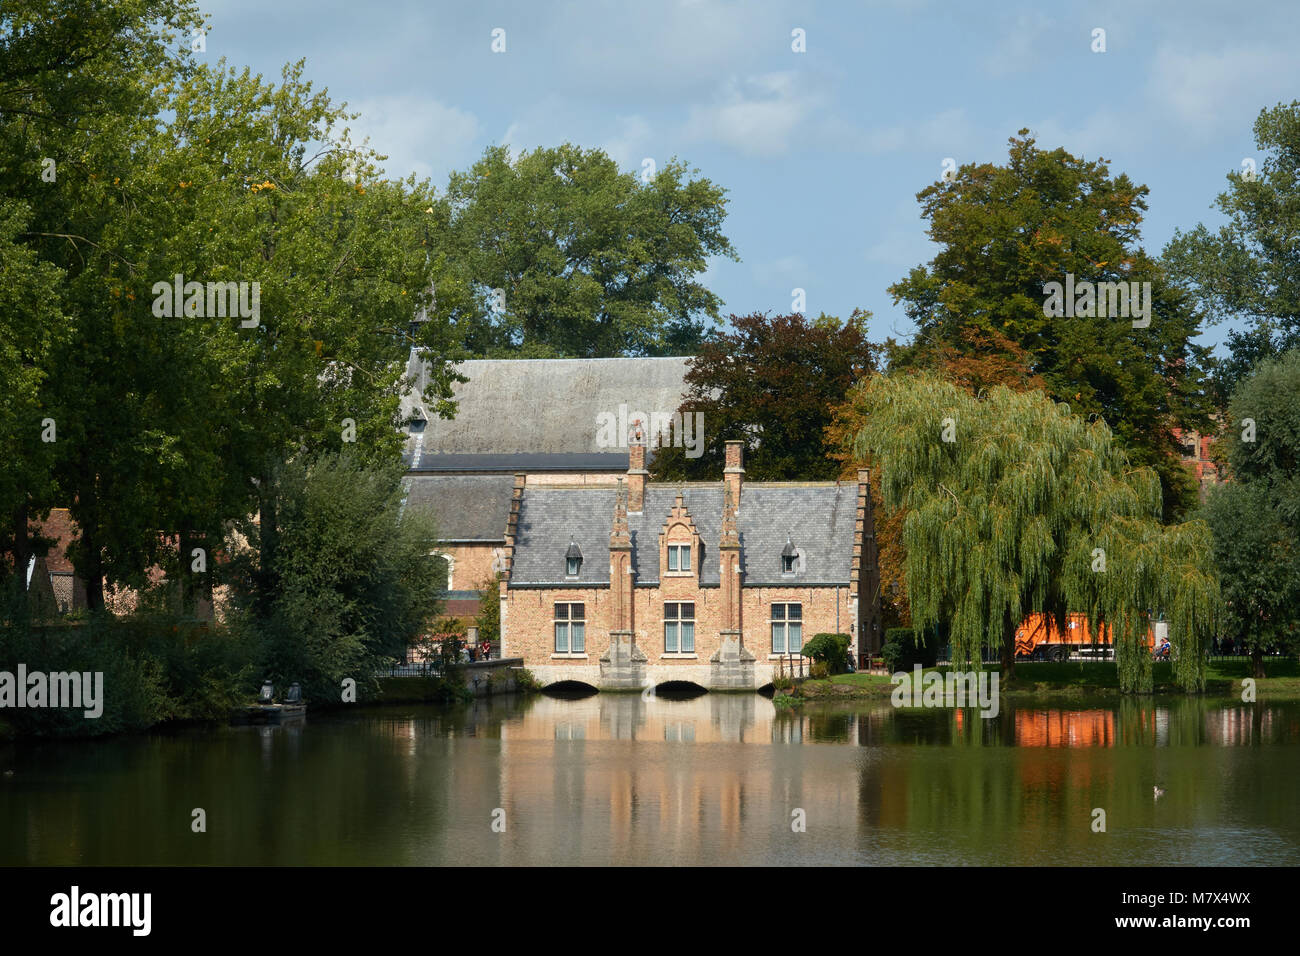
[1074,681]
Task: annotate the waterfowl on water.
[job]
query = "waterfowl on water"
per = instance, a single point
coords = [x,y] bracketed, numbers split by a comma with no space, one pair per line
[1158,792]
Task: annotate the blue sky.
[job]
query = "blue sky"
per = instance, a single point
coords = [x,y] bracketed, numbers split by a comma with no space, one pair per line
[822,152]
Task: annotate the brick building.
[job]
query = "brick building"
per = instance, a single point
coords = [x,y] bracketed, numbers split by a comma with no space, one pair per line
[551,420]
[630,583]
[1197,453]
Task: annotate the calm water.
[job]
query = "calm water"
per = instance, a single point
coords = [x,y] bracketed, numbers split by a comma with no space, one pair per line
[714,780]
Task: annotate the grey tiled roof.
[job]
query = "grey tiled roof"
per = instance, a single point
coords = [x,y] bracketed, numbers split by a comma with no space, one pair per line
[543,406]
[465,507]
[425,462]
[819,518]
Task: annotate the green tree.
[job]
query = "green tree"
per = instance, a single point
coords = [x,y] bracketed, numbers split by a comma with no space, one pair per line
[80,83]
[1015,505]
[1005,232]
[174,425]
[589,261]
[357,579]
[772,382]
[30,325]
[1255,516]
[1247,269]
[488,620]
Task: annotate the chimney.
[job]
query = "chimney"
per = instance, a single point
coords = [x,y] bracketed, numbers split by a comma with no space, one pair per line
[733,475]
[636,470]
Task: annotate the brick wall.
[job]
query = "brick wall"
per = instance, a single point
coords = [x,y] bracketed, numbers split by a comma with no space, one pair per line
[531,616]
[473,564]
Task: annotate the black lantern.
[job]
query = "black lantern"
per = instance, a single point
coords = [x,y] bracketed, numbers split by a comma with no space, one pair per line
[295,694]
[268,692]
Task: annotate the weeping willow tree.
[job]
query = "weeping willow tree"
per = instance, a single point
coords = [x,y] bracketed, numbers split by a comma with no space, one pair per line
[1016,506]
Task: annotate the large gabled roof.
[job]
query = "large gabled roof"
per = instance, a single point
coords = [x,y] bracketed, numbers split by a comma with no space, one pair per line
[541,406]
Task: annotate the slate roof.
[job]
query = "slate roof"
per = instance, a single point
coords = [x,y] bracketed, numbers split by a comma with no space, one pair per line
[466,507]
[818,517]
[511,464]
[542,406]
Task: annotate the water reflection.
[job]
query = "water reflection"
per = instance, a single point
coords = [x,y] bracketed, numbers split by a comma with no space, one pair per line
[616,778]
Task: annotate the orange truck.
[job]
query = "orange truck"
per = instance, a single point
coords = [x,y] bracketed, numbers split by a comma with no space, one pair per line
[1039,639]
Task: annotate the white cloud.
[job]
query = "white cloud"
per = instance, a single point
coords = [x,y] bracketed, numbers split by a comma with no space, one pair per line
[1211,93]
[1021,45]
[758,116]
[786,272]
[630,144]
[418,134]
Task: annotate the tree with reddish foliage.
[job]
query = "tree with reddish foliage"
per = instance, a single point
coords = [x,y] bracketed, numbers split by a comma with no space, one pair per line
[978,360]
[772,383]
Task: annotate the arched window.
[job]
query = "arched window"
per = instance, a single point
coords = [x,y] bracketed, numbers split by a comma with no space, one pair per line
[450,561]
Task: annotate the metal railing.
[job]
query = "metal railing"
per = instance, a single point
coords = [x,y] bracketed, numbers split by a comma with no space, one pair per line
[786,666]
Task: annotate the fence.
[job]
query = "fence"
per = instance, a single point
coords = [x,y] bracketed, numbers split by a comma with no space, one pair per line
[787,667]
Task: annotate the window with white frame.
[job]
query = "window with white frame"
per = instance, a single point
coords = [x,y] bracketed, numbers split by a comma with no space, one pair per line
[679,628]
[449,563]
[570,629]
[787,628]
[679,557]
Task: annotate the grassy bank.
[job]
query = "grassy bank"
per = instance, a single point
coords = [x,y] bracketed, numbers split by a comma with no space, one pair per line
[1074,680]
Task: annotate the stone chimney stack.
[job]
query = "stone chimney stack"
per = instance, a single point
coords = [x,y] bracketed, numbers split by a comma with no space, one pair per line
[636,470]
[734,473]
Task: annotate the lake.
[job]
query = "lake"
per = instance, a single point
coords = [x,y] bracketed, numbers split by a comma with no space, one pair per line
[718,779]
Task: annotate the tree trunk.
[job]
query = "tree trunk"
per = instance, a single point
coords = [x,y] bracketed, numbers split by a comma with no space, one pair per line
[22,554]
[1008,649]
[94,571]
[1257,660]
[268,537]
[186,579]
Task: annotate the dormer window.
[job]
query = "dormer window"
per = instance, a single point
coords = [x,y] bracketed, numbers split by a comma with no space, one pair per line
[573,560]
[789,557]
[679,557]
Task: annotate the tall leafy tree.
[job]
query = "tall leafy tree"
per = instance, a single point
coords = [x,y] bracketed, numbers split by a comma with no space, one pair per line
[31,324]
[176,424]
[1256,515]
[1016,505]
[81,84]
[1247,268]
[772,382]
[1007,231]
[571,257]
[343,259]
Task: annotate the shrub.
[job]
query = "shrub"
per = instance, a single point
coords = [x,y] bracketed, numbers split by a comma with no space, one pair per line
[526,681]
[155,669]
[819,670]
[831,650]
[902,651]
